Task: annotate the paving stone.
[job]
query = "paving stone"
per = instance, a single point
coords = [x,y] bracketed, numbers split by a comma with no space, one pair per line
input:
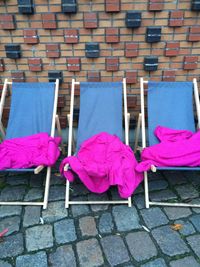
[187,192]
[139,201]
[57,193]
[39,237]
[5,264]
[175,177]
[188,228]
[154,217]
[163,195]
[57,179]
[97,197]
[11,246]
[169,241]
[195,219]
[141,246]
[63,257]
[37,260]
[12,223]
[106,223]
[126,218]
[65,231]
[194,242]
[89,253]
[15,193]
[6,211]
[78,210]
[196,201]
[88,226]
[37,180]
[55,211]
[34,194]
[79,190]
[115,250]
[139,189]
[187,261]
[155,263]
[174,213]
[31,216]
[157,185]
[17,180]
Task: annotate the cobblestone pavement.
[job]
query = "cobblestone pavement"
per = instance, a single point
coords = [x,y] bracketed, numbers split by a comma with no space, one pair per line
[100,235]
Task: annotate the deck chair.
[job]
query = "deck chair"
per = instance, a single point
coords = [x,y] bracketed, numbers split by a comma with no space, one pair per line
[169,104]
[100,111]
[33,110]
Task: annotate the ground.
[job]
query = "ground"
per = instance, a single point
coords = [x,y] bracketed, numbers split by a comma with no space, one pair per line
[100,235]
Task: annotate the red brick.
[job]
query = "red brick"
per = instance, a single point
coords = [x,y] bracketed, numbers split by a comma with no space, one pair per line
[17,76]
[131,49]
[7,22]
[112,5]
[156,5]
[53,50]
[112,35]
[35,64]
[61,102]
[131,76]
[63,122]
[49,21]
[194,34]
[2,66]
[112,64]
[131,102]
[74,64]
[30,36]
[190,62]
[71,36]
[94,76]
[168,75]
[90,20]
[176,18]
[172,49]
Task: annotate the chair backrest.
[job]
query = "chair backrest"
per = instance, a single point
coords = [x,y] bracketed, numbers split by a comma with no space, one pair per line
[170,104]
[31,110]
[100,109]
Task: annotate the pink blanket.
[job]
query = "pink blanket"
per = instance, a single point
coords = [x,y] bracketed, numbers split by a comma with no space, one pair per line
[26,152]
[177,148]
[102,161]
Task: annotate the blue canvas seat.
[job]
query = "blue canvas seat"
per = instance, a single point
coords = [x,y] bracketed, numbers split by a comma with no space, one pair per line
[169,104]
[100,111]
[32,110]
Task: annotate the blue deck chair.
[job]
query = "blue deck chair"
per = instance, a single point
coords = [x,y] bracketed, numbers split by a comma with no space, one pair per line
[169,104]
[32,110]
[100,111]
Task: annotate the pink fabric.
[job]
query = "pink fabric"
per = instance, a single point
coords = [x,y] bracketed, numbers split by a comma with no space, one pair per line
[26,152]
[102,161]
[177,148]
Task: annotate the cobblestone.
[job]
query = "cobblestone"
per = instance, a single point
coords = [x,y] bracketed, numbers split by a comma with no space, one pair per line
[163,195]
[37,260]
[169,241]
[11,246]
[89,253]
[115,250]
[187,192]
[6,211]
[188,228]
[154,217]
[15,193]
[39,237]
[155,263]
[194,242]
[187,261]
[157,185]
[55,211]
[78,210]
[141,246]
[88,226]
[63,257]
[106,223]
[195,219]
[34,194]
[126,218]
[11,223]
[57,193]
[65,231]
[5,264]
[31,216]
[174,213]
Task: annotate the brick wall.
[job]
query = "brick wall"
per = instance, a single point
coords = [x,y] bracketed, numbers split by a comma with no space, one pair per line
[100,40]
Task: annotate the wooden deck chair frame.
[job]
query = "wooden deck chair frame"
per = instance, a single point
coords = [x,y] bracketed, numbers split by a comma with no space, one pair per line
[71,142]
[141,127]
[38,169]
